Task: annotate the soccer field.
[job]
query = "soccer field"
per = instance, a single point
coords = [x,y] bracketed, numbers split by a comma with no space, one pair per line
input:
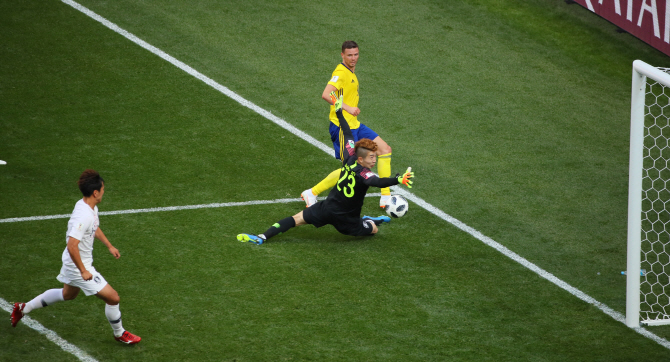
[513,115]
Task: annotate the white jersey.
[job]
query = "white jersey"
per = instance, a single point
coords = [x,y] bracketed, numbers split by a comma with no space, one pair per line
[82,226]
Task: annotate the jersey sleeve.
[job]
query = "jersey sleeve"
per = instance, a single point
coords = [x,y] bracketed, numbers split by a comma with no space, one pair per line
[370,179]
[337,79]
[78,228]
[348,144]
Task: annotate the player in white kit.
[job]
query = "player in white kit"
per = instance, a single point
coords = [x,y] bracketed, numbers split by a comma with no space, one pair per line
[78,272]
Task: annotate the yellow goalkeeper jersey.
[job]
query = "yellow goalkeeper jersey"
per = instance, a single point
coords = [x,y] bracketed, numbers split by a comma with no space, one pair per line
[346,83]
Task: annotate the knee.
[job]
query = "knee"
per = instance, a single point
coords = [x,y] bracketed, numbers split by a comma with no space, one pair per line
[70,294]
[374,228]
[113,299]
[385,149]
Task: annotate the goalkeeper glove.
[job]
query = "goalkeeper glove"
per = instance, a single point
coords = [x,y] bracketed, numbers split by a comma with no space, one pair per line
[337,101]
[405,179]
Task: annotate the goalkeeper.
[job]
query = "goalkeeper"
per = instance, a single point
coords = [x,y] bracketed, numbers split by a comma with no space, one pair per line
[342,207]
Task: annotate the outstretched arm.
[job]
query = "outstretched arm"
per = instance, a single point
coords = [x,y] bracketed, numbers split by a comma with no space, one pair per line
[354,111]
[348,142]
[406,179]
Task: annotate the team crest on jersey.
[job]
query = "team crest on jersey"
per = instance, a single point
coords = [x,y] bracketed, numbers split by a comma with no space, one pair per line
[350,147]
[334,78]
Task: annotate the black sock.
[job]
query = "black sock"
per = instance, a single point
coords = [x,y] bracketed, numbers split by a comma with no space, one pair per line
[282,226]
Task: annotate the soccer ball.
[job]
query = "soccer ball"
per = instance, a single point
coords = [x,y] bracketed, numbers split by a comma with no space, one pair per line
[397,206]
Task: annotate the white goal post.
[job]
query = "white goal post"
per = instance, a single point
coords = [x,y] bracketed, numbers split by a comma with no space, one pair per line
[648,261]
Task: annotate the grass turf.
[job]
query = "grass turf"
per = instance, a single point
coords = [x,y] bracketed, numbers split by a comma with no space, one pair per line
[513,115]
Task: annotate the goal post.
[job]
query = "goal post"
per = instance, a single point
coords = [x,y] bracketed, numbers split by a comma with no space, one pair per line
[648,254]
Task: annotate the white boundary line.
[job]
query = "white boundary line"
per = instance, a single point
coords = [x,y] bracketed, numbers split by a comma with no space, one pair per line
[439,213]
[51,335]
[167,208]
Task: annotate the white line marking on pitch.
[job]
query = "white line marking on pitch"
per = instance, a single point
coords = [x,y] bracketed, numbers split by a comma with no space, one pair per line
[439,213]
[51,335]
[168,208]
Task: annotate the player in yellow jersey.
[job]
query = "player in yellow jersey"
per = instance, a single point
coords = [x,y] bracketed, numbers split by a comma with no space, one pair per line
[344,82]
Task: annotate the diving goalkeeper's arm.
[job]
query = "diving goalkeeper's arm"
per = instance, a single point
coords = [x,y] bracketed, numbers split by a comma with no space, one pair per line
[350,155]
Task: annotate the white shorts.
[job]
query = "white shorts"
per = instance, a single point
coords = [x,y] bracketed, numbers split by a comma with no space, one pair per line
[70,275]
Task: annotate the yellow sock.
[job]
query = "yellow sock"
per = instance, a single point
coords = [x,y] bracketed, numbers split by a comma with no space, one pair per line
[384,169]
[327,183]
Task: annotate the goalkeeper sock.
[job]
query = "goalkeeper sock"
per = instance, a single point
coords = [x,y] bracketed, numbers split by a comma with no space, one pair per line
[280,227]
[327,183]
[384,169]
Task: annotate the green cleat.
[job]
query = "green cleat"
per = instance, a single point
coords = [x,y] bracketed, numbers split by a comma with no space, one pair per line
[250,238]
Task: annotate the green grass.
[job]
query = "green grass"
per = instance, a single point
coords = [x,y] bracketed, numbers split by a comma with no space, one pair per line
[514,116]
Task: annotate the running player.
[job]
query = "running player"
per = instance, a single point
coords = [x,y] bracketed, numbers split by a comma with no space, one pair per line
[78,272]
[342,207]
[344,82]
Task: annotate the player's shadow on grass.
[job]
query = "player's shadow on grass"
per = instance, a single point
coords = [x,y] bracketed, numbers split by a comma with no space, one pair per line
[324,235]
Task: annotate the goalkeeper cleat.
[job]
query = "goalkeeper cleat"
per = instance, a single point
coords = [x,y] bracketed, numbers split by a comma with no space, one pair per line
[128,338]
[250,238]
[384,200]
[17,313]
[378,220]
[309,197]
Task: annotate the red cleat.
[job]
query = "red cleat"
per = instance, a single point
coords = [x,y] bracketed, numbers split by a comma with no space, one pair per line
[17,313]
[128,338]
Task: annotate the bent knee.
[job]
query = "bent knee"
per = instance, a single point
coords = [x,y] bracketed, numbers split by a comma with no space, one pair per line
[384,149]
[115,299]
[70,296]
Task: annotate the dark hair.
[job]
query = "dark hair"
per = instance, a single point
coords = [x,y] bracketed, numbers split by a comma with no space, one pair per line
[349,44]
[90,181]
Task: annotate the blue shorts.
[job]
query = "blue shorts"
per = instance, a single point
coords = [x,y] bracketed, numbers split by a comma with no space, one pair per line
[359,133]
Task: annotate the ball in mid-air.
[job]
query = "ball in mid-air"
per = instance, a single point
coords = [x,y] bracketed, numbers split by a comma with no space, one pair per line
[397,206]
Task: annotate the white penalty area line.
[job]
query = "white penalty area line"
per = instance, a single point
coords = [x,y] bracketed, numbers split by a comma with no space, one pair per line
[51,335]
[168,208]
[437,212]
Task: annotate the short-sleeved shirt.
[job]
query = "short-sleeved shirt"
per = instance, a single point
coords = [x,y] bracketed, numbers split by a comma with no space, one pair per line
[82,226]
[346,83]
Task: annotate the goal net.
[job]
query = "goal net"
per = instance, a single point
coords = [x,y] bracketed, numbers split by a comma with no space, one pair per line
[648,266]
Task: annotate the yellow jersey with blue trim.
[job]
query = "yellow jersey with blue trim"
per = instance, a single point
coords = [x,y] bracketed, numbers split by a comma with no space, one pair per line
[346,83]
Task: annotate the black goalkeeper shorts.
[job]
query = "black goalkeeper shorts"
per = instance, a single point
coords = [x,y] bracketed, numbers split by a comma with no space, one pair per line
[320,214]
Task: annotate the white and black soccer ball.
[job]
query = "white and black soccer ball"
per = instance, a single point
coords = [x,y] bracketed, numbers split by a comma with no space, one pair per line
[397,206]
